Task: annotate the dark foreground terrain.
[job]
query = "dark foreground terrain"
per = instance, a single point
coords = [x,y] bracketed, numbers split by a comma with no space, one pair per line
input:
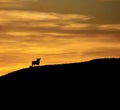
[98,70]
[89,84]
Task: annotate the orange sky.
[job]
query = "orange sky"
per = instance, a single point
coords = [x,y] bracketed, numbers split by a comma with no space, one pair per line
[58,31]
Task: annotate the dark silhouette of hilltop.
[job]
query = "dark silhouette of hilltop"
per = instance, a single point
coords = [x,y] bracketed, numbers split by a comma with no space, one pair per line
[97,70]
[94,81]
[91,84]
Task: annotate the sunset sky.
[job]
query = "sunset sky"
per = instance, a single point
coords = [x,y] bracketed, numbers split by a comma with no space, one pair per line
[58,31]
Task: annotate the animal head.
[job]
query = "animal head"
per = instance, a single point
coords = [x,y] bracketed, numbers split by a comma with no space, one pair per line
[38,58]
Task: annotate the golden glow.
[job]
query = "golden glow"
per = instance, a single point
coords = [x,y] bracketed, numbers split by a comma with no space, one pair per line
[57,37]
[110,27]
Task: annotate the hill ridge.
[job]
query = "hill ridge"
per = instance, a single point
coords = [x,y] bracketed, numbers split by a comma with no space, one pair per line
[96,68]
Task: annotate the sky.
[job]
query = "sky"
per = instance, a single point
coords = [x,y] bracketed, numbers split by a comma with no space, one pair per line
[57,31]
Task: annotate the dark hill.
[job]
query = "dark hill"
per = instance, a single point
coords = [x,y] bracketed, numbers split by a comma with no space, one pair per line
[102,70]
[92,84]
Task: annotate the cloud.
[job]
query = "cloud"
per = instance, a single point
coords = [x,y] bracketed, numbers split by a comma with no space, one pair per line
[9,1]
[16,23]
[109,52]
[104,0]
[105,11]
[27,15]
[110,27]
[25,22]
[6,4]
[56,37]
[37,21]
[14,4]
[26,27]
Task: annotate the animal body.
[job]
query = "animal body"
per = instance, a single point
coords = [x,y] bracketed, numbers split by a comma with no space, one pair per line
[37,62]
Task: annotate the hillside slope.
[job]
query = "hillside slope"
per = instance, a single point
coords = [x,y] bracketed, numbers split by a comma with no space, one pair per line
[91,84]
[94,70]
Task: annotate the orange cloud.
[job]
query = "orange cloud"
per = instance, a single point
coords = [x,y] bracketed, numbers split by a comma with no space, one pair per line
[110,27]
[55,37]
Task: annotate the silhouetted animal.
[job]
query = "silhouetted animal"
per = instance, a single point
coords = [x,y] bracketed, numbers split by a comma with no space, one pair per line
[37,62]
